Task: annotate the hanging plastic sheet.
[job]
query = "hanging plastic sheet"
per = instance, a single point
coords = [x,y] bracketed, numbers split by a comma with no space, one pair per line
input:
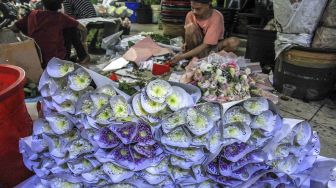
[111,40]
[298,16]
[297,21]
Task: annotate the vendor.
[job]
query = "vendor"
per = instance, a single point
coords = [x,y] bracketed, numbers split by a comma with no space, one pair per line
[204,31]
[46,28]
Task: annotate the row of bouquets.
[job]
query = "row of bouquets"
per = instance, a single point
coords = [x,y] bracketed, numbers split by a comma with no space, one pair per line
[94,135]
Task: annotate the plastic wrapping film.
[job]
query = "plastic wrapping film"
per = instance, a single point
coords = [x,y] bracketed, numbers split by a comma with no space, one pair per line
[323,173]
[285,41]
[107,3]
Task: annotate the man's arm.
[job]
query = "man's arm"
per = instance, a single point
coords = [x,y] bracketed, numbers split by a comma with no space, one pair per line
[20,25]
[192,53]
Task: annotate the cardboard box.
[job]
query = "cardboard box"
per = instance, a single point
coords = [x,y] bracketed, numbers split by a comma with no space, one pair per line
[20,53]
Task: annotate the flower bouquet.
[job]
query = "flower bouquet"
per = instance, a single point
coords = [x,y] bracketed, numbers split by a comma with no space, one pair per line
[221,79]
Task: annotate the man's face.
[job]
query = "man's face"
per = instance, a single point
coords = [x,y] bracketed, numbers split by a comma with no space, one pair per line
[200,10]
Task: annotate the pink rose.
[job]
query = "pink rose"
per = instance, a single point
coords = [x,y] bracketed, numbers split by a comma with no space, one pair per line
[198,75]
[210,98]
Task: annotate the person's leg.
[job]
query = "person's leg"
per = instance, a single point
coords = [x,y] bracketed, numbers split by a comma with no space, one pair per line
[78,45]
[229,44]
[193,37]
[67,35]
[72,37]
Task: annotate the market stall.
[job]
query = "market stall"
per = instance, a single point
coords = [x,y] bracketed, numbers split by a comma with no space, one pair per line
[167,134]
[133,119]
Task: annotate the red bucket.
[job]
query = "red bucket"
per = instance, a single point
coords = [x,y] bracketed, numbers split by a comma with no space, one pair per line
[160,69]
[15,123]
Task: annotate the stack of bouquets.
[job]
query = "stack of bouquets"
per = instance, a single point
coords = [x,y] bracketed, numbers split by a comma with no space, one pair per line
[221,79]
[260,149]
[190,135]
[94,137]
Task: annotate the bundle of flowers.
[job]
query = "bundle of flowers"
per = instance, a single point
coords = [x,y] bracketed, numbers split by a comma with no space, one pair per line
[260,149]
[159,98]
[221,79]
[95,137]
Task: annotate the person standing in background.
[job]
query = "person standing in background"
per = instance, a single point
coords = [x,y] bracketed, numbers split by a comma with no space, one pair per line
[46,28]
[79,9]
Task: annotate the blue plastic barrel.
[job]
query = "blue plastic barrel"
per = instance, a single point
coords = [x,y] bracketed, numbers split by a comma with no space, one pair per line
[133,6]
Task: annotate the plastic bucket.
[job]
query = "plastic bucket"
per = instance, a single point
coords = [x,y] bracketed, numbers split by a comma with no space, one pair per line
[260,47]
[133,6]
[15,123]
[156,10]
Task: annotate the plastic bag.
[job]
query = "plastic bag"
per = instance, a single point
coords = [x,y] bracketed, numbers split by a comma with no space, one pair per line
[325,37]
[111,40]
[329,16]
[298,16]
[285,41]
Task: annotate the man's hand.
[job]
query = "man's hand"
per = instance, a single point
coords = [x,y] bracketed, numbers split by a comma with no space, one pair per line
[176,59]
[190,54]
